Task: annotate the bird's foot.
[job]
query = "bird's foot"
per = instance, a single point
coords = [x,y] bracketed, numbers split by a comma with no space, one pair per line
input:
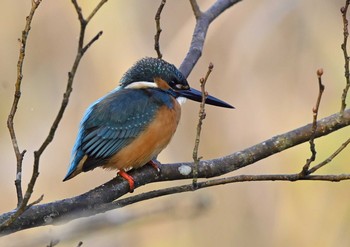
[154,165]
[128,178]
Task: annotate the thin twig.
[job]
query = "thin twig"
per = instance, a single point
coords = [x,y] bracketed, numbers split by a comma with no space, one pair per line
[96,37]
[36,201]
[344,11]
[79,11]
[94,11]
[330,158]
[215,182]
[94,198]
[202,115]
[159,30]
[10,120]
[196,10]
[17,95]
[321,87]
[200,31]
[23,206]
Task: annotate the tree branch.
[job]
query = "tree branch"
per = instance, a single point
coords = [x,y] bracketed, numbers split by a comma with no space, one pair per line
[202,115]
[344,11]
[23,204]
[203,21]
[195,8]
[158,28]
[99,199]
[321,87]
[106,197]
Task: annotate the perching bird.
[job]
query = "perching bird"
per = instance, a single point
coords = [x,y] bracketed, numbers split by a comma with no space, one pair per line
[132,124]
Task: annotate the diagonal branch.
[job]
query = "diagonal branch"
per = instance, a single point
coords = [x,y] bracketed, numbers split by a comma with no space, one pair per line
[17,96]
[106,197]
[203,21]
[98,199]
[195,8]
[10,120]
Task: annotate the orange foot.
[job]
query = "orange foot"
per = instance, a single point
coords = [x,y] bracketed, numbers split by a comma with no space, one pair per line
[128,178]
[154,165]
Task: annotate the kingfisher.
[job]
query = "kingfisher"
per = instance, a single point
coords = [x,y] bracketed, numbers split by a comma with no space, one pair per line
[128,127]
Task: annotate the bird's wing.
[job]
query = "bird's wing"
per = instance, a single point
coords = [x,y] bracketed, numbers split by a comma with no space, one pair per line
[115,121]
[111,123]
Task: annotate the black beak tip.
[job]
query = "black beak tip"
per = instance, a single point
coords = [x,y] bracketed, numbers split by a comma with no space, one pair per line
[217,102]
[195,95]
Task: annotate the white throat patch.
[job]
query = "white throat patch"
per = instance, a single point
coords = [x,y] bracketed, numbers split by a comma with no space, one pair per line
[181,100]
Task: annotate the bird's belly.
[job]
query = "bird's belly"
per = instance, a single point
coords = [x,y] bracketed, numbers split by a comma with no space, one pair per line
[150,142]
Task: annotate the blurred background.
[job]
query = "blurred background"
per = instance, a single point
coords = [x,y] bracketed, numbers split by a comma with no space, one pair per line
[265,54]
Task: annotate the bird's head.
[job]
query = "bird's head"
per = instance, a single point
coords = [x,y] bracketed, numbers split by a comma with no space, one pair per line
[157,73]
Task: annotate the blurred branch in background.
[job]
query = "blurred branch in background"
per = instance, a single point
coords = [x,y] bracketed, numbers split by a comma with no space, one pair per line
[76,231]
[106,197]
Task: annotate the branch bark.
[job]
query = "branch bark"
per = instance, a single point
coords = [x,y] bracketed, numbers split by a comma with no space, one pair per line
[203,20]
[104,197]
[23,201]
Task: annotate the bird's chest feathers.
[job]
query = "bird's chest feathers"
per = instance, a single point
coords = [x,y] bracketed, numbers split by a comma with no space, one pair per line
[154,138]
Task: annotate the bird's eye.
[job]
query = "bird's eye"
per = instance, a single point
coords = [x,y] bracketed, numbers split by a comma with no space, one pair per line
[174,84]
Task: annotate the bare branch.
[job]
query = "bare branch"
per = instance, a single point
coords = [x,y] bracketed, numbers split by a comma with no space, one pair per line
[305,169]
[211,14]
[344,11]
[105,197]
[79,12]
[202,115]
[159,30]
[95,38]
[93,202]
[23,205]
[330,158]
[94,11]
[227,180]
[10,120]
[200,32]
[195,7]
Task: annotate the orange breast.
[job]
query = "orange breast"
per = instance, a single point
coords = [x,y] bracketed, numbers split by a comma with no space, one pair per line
[150,142]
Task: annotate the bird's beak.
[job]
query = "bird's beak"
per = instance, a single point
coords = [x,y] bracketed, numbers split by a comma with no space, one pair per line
[196,95]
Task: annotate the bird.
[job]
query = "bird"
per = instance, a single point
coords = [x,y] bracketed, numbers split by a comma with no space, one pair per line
[128,127]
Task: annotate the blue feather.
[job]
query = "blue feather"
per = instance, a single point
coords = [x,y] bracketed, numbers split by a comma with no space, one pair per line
[114,121]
